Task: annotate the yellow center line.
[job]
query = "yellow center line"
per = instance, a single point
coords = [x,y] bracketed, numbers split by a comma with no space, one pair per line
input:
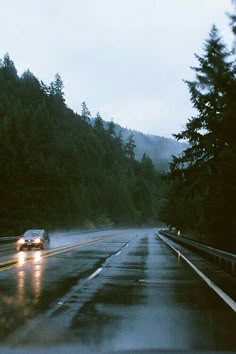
[15,263]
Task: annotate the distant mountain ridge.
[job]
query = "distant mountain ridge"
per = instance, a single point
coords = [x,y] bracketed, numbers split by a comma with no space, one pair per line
[160,149]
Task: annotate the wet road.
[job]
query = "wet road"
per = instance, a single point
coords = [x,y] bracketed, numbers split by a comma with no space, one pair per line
[127,291]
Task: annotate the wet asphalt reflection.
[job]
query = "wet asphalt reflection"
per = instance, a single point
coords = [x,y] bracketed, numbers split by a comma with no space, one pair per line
[127,293]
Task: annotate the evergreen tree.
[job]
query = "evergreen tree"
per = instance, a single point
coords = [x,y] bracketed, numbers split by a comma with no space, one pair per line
[56,88]
[85,113]
[202,173]
[111,128]
[98,123]
[130,147]
[8,67]
[208,95]
[59,171]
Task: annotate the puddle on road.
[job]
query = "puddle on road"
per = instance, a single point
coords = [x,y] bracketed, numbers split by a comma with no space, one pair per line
[121,293]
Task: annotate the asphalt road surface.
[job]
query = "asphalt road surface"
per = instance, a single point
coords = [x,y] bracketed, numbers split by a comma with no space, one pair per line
[113,291]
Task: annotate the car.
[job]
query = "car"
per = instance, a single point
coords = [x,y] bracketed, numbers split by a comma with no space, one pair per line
[33,239]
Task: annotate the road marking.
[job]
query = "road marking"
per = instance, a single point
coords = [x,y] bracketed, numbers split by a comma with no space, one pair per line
[15,263]
[227,299]
[94,274]
[8,267]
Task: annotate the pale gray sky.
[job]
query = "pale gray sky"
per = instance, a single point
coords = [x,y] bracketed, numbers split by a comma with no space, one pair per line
[125,58]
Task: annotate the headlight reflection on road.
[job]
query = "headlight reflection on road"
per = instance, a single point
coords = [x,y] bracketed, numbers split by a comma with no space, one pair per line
[37,283]
[34,260]
[21,258]
[21,286]
[37,257]
[37,275]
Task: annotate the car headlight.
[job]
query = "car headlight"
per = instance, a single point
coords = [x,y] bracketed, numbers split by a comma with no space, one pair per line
[21,241]
[37,240]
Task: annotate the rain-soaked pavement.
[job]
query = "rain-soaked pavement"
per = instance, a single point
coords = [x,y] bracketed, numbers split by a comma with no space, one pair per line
[127,292]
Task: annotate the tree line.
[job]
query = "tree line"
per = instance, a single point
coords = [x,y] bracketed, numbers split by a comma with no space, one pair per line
[60,171]
[202,197]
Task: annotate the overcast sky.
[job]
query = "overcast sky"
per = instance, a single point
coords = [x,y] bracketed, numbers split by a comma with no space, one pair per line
[125,58]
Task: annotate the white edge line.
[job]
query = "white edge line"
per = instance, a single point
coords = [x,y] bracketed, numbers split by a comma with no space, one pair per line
[95,273]
[209,282]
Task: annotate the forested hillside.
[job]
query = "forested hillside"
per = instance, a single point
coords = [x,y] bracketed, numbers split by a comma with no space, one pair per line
[158,148]
[202,199]
[57,170]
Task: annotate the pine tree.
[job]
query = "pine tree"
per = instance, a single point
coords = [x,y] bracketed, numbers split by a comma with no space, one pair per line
[8,67]
[111,128]
[130,147]
[59,171]
[203,169]
[85,113]
[56,88]
[98,123]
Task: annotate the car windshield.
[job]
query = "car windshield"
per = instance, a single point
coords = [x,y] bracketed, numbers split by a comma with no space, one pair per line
[33,233]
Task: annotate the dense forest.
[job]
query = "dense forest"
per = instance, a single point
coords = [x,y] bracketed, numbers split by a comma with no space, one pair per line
[159,148]
[202,198]
[60,171]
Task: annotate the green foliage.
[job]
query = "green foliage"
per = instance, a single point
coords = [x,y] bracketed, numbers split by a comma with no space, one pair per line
[85,113]
[57,170]
[88,225]
[203,177]
[130,147]
[158,148]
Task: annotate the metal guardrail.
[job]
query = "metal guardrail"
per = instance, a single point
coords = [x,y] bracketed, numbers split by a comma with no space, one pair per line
[8,239]
[223,258]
